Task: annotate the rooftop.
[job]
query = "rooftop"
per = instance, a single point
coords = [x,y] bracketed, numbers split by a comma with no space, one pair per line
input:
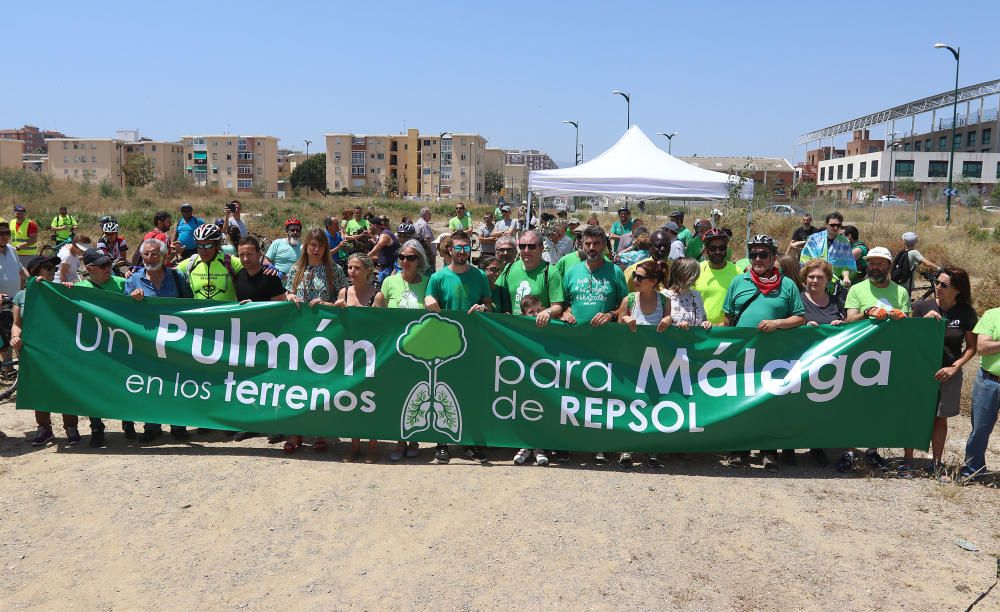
[724,164]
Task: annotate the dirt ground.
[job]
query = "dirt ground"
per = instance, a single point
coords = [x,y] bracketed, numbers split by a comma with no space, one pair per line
[215,524]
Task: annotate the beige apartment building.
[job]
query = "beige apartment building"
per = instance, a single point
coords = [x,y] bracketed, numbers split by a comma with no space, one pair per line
[418,165]
[10,153]
[96,159]
[234,162]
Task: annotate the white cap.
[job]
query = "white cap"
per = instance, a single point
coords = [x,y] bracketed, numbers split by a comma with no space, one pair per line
[879,253]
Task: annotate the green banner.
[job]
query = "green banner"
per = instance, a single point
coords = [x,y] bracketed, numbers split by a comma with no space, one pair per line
[495,380]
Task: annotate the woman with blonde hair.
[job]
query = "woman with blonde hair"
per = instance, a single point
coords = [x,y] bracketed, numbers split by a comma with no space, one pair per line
[360,293]
[314,279]
[687,308]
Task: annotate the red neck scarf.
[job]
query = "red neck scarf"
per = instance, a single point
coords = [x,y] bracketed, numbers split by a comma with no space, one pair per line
[769,283]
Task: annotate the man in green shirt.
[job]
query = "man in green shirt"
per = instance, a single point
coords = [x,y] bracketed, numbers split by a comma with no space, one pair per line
[530,275]
[621,227]
[683,233]
[211,273]
[877,296]
[356,224]
[595,289]
[63,225]
[985,393]
[462,219]
[717,273]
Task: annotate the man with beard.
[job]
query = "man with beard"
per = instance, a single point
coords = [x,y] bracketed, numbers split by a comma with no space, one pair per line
[533,276]
[717,273]
[620,227]
[659,250]
[764,299]
[284,252]
[458,286]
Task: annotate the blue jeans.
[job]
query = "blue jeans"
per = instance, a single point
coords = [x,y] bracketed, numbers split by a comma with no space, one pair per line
[985,404]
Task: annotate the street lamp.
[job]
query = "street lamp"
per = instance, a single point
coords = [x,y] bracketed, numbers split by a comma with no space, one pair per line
[576,124]
[628,108]
[670,139]
[308,142]
[440,157]
[954,120]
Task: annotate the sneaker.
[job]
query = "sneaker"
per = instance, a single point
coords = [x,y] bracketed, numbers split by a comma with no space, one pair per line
[73,436]
[522,456]
[625,460]
[180,434]
[96,439]
[540,457]
[788,456]
[770,465]
[479,454]
[396,454]
[561,456]
[129,429]
[904,471]
[43,436]
[738,460]
[653,461]
[846,462]
[441,455]
[876,460]
[275,438]
[469,452]
[600,459]
[148,435]
[243,435]
[819,456]
[412,450]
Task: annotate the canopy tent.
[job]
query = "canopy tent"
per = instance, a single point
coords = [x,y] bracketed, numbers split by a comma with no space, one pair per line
[634,166]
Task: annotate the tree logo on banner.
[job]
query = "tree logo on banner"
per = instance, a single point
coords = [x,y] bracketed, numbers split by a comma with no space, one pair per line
[432,341]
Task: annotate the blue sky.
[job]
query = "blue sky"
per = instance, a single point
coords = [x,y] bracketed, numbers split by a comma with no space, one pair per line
[733,78]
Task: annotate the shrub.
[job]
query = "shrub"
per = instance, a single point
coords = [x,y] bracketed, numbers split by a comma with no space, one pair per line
[107,190]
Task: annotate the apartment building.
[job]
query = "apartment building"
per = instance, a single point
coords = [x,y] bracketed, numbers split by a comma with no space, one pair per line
[32,137]
[533,159]
[167,158]
[416,165]
[234,162]
[10,153]
[96,159]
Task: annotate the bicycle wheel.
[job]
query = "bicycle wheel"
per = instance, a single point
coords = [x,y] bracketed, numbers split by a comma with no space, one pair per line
[8,375]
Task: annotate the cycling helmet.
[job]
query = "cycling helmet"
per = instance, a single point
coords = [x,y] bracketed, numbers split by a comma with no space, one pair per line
[624,209]
[406,228]
[763,240]
[713,234]
[292,221]
[208,231]
[110,227]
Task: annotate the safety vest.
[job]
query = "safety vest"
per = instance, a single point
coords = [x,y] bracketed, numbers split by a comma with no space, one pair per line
[21,236]
[61,220]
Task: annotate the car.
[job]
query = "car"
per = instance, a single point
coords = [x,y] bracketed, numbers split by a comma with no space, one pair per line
[784,209]
[892,200]
[991,209]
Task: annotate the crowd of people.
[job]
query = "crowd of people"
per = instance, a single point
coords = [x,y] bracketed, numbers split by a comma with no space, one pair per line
[555,269]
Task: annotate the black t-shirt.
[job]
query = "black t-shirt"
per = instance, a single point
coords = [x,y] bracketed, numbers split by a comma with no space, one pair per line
[960,319]
[824,316]
[802,233]
[258,288]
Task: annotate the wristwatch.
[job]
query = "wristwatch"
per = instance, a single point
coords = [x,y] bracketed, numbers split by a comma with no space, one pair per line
[614,315]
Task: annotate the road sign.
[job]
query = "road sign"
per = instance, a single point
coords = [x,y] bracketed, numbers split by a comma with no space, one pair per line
[951,192]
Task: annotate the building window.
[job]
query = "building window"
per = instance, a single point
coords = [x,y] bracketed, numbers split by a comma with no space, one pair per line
[260,171]
[972,169]
[241,144]
[906,146]
[65,159]
[874,168]
[358,163]
[244,169]
[229,170]
[381,156]
[336,156]
[916,146]
[957,142]
[850,170]
[862,169]
[987,136]
[942,143]
[937,169]
[154,148]
[970,139]
[245,155]
[840,171]
[215,156]
[904,167]
[927,145]
[244,183]
[998,170]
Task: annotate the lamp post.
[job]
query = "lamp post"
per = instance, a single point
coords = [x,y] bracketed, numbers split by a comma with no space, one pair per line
[628,107]
[954,120]
[308,142]
[440,157]
[670,140]
[576,124]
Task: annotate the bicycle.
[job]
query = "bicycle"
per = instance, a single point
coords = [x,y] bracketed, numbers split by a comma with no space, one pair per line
[928,291]
[9,364]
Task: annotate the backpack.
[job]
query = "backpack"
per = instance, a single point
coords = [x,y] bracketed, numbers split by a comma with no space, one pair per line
[901,272]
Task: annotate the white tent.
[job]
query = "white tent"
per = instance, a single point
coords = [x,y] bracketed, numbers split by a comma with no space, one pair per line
[634,166]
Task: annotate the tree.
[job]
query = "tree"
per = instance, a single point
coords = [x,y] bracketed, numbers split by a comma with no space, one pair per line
[907,185]
[493,182]
[107,190]
[806,189]
[22,184]
[171,186]
[139,171]
[311,173]
[995,195]
[432,341]
[391,185]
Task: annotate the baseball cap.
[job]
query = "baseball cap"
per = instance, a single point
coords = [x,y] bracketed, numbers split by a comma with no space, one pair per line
[670,225]
[19,208]
[505,208]
[94,257]
[574,221]
[879,253]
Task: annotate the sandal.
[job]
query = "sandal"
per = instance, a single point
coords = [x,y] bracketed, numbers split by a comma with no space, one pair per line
[625,460]
[397,453]
[292,444]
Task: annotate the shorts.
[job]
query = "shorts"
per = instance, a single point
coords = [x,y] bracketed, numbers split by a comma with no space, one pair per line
[950,396]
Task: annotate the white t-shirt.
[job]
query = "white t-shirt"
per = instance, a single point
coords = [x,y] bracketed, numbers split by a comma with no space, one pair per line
[240,224]
[10,271]
[67,257]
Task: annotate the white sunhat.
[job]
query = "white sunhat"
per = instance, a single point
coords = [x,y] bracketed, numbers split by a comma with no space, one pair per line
[879,253]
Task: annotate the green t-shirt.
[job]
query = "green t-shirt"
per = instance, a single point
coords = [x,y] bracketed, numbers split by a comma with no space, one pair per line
[620,229]
[590,293]
[519,283]
[455,224]
[693,247]
[780,304]
[355,227]
[570,261]
[115,284]
[60,220]
[212,281]
[865,295]
[684,235]
[713,284]
[990,326]
[459,291]
[400,294]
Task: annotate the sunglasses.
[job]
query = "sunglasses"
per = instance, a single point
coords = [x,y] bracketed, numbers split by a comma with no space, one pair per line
[407,257]
[833,225]
[462,248]
[493,269]
[210,245]
[760,255]
[716,249]
[942,284]
[640,277]
[527,245]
